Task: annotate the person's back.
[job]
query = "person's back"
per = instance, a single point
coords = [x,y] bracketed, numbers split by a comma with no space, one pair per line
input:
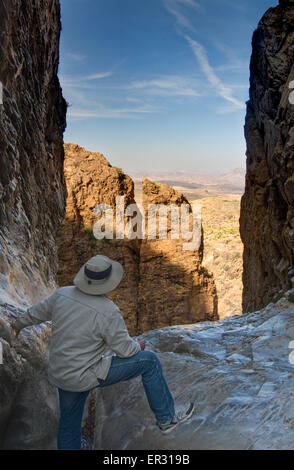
[85,323]
[77,345]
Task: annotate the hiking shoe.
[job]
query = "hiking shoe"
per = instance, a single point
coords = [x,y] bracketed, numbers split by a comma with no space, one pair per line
[178,418]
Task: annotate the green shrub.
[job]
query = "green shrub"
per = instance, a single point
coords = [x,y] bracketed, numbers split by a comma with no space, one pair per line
[121,174]
[89,233]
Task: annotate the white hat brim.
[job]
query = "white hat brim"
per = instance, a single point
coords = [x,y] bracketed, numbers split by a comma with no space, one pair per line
[102,286]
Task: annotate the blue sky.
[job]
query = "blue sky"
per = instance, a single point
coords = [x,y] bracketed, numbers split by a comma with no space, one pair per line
[159,84]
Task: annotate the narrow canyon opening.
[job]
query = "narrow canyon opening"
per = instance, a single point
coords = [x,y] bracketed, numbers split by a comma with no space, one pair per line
[220,316]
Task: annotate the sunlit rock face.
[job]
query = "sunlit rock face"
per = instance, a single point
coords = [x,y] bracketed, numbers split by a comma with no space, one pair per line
[162,283]
[175,288]
[91,180]
[237,371]
[32,116]
[267,214]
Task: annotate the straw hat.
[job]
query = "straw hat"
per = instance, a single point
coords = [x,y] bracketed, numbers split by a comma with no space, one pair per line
[99,275]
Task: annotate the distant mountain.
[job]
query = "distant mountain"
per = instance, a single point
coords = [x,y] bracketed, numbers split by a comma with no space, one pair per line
[233,181]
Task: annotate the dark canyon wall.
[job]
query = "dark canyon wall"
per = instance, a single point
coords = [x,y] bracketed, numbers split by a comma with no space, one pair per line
[32,203]
[267,210]
[32,121]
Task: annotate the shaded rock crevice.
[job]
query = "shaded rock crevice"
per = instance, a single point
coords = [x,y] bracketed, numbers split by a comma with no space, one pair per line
[28,403]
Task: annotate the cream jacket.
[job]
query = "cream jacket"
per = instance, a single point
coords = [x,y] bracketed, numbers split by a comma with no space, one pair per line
[84,327]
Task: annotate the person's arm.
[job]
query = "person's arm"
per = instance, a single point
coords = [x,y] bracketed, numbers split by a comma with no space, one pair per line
[116,336]
[34,315]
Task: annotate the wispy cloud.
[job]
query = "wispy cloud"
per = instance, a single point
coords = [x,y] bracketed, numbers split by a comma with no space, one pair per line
[76,57]
[221,89]
[167,86]
[177,9]
[83,92]
[90,97]
[96,76]
[112,113]
[82,80]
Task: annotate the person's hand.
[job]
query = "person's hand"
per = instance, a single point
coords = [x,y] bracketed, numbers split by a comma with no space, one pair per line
[15,330]
[142,343]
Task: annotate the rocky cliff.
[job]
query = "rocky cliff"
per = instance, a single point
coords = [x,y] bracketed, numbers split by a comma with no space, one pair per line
[32,203]
[162,284]
[32,189]
[267,214]
[174,288]
[91,180]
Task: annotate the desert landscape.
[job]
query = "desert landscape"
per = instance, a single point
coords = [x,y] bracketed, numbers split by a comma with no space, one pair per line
[219,197]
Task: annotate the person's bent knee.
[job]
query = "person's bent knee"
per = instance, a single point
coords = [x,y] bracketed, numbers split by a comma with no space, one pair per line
[150,356]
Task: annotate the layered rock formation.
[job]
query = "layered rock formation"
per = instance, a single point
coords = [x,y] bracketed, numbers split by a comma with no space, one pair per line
[174,288]
[91,180]
[32,189]
[32,203]
[162,285]
[237,371]
[267,214]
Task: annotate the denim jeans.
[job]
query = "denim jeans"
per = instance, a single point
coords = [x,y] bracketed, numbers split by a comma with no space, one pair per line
[144,363]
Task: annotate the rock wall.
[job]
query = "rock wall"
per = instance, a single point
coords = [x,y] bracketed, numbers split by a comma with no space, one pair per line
[28,402]
[32,205]
[91,180]
[162,285]
[174,288]
[32,116]
[267,213]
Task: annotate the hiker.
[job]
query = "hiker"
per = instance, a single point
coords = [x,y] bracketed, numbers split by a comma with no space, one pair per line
[85,324]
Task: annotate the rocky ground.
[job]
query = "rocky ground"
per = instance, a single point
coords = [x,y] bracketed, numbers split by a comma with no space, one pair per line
[237,371]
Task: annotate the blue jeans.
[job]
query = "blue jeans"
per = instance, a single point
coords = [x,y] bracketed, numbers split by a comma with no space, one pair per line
[144,363]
